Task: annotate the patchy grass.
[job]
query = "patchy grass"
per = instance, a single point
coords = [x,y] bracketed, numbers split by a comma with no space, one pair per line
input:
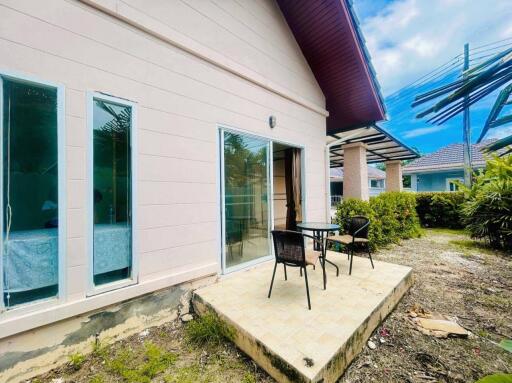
[440,230]
[468,244]
[209,330]
[127,364]
[172,353]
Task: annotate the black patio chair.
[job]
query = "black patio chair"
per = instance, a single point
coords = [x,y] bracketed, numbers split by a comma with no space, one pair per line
[358,228]
[290,251]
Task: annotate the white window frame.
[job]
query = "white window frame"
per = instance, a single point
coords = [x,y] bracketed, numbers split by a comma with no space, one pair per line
[61,184]
[451,180]
[92,289]
[270,174]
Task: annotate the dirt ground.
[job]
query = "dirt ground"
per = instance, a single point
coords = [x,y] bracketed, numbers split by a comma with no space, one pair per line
[452,276]
[456,278]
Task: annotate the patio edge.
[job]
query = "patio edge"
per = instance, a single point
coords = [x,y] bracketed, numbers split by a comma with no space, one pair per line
[284,372]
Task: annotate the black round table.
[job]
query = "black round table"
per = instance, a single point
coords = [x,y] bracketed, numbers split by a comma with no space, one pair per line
[319,230]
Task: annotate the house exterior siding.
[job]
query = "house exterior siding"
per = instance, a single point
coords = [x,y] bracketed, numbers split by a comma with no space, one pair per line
[436,181]
[119,48]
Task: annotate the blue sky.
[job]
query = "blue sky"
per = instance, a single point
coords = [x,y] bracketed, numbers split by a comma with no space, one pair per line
[409,38]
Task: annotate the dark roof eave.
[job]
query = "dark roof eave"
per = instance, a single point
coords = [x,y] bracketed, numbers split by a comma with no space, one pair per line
[329,36]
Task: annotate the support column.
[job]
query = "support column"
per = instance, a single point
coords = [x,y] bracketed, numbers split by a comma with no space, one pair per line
[394,175]
[355,172]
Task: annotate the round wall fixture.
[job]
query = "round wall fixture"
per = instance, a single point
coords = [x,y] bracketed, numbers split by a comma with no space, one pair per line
[272,122]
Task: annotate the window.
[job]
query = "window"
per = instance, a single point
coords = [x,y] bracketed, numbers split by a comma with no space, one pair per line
[112,191]
[376,183]
[452,184]
[30,192]
[407,181]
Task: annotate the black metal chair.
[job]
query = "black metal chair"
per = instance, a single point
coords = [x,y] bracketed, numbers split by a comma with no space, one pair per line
[358,228]
[290,251]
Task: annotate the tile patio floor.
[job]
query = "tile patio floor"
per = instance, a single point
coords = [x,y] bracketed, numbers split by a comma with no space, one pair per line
[281,334]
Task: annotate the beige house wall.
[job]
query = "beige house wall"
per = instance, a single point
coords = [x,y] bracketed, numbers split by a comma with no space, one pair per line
[229,77]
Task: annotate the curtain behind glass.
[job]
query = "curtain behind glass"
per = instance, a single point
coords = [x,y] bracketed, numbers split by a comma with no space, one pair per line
[292,166]
[30,192]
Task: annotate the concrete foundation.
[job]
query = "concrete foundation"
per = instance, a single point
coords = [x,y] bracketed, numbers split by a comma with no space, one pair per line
[34,352]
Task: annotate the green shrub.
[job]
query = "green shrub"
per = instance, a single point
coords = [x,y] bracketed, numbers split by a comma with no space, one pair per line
[208,329]
[488,207]
[392,217]
[440,209]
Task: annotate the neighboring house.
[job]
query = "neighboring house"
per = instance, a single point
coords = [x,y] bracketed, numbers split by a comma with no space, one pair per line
[444,168]
[376,183]
[152,145]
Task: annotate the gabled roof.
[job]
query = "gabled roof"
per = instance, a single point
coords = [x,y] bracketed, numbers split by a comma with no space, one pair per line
[328,34]
[373,173]
[448,157]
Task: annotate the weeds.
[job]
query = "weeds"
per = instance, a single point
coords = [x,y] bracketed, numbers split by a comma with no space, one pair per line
[208,329]
[188,374]
[248,378]
[76,361]
[155,362]
[97,379]
[100,350]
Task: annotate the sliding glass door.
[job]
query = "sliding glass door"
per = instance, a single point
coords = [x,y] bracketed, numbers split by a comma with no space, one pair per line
[246,193]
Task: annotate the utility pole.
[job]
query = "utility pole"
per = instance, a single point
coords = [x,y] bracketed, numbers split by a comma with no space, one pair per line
[466,128]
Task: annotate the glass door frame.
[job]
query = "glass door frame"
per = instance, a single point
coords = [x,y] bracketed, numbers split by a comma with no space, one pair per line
[270,190]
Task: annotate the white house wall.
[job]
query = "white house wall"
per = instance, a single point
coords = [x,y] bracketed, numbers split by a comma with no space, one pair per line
[180,99]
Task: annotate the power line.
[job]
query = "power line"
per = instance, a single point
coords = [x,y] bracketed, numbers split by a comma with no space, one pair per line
[493,43]
[490,49]
[429,73]
[405,93]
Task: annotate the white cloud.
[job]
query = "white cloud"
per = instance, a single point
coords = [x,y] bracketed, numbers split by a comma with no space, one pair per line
[423,131]
[500,132]
[409,38]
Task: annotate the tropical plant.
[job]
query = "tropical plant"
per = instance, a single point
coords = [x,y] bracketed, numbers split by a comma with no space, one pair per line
[488,207]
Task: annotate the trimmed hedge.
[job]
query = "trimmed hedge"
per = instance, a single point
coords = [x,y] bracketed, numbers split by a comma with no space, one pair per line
[440,209]
[392,217]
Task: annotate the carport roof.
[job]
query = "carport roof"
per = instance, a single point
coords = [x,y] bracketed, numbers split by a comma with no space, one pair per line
[381,146]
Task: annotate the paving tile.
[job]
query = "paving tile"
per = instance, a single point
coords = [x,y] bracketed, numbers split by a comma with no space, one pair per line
[284,324]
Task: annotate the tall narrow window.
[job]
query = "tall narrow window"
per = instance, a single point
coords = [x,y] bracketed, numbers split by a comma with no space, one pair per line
[112,191]
[30,203]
